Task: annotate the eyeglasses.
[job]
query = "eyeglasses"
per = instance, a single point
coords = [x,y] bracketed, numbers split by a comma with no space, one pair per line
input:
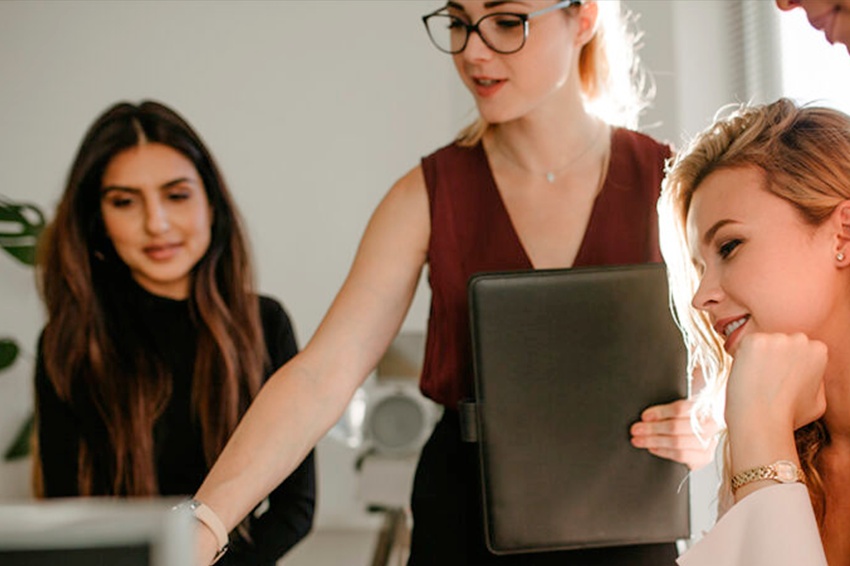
[503,32]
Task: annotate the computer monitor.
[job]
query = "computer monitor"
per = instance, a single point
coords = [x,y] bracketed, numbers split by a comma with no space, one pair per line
[95,532]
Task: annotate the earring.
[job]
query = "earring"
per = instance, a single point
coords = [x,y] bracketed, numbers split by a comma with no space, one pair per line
[839,256]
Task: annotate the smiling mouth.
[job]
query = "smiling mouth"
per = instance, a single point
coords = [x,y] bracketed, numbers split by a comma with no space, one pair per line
[154,249]
[486,82]
[735,325]
[163,252]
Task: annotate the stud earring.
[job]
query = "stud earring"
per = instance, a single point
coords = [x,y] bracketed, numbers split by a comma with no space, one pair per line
[839,256]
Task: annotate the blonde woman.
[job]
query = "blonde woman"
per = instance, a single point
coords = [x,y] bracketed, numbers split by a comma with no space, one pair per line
[755,219]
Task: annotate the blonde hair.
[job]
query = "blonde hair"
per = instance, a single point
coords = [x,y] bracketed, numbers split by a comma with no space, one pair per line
[614,85]
[804,154]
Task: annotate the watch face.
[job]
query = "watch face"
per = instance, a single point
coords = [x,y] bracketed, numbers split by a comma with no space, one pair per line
[786,472]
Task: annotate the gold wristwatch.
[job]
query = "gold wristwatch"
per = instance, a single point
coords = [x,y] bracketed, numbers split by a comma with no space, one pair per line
[782,471]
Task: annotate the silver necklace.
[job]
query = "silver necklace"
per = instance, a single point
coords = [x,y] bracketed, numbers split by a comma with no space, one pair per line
[550,176]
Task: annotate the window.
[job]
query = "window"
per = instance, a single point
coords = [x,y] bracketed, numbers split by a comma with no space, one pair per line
[812,69]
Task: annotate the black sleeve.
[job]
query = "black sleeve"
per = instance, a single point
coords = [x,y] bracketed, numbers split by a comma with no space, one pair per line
[278,333]
[59,435]
[291,506]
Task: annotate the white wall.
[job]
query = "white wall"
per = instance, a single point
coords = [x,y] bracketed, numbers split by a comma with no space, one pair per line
[313,109]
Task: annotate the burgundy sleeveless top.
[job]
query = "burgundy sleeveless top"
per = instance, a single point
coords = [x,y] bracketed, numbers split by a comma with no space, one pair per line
[471,232]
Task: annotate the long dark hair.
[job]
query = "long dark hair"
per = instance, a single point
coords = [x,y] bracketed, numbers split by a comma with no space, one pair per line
[91,353]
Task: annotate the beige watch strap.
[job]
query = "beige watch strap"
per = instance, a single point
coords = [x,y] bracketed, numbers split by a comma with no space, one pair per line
[210,520]
[782,471]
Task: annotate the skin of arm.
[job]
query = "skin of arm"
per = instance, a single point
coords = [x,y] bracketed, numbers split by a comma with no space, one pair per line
[303,399]
[775,387]
[291,506]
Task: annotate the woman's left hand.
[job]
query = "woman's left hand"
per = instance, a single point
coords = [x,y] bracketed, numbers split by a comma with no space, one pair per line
[665,431]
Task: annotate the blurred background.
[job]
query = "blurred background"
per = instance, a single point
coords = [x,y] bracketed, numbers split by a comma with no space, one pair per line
[313,109]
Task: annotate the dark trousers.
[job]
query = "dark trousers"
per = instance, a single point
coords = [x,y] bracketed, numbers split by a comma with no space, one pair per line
[447,515]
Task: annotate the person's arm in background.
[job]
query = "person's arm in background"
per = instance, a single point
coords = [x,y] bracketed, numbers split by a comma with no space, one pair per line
[292,504]
[304,398]
[289,517]
[59,435]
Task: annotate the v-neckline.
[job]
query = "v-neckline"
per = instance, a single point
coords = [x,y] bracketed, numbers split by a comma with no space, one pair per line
[492,186]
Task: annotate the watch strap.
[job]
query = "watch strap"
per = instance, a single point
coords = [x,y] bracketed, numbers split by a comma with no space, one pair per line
[206,516]
[782,471]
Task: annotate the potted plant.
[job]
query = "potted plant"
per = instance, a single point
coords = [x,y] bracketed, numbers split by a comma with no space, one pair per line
[20,226]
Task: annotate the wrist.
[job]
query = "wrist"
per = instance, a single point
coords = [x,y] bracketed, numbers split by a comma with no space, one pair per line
[755,442]
[210,523]
[752,479]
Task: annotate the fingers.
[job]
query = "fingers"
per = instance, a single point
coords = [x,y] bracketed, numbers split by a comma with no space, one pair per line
[685,449]
[685,441]
[678,426]
[666,431]
[675,410]
[776,379]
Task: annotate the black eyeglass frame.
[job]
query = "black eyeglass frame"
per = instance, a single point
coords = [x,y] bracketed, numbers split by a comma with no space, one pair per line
[470,28]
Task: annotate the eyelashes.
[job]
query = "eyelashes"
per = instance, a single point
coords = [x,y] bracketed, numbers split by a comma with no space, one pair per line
[126,200]
[727,247]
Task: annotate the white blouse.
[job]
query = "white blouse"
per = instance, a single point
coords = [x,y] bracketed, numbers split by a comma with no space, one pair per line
[774,526]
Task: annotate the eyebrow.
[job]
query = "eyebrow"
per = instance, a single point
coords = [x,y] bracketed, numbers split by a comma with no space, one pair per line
[487,5]
[709,234]
[168,185]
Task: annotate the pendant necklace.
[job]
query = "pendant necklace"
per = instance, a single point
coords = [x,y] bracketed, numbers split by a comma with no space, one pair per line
[550,176]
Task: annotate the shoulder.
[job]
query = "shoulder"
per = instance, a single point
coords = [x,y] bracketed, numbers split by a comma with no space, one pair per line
[449,169]
[42,380]
[273,315]
[271,308]
[639,145]
[452,155]
[407,198]
[637,160]
[278,332]
[447,151]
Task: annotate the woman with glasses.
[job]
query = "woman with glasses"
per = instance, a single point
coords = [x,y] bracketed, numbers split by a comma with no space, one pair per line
[538,181]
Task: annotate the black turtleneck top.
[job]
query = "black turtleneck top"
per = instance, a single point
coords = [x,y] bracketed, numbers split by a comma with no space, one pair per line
[277,525]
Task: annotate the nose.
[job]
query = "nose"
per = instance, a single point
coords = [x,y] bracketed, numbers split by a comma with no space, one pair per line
[476,49]
[708,293]
[787,4]
[156,217]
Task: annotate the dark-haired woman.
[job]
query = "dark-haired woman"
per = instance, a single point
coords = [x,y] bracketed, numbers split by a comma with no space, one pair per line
[155,342]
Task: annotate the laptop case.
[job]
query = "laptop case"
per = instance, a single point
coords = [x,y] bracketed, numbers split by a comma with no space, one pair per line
[565,361]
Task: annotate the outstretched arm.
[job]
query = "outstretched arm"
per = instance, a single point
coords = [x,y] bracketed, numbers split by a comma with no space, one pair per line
[303,399]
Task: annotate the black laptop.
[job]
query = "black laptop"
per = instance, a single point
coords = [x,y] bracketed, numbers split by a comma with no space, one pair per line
[565,361]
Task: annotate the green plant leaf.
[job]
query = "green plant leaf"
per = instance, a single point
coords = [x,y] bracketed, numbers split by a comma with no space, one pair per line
[20,226]
[8,352]
[20,447]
